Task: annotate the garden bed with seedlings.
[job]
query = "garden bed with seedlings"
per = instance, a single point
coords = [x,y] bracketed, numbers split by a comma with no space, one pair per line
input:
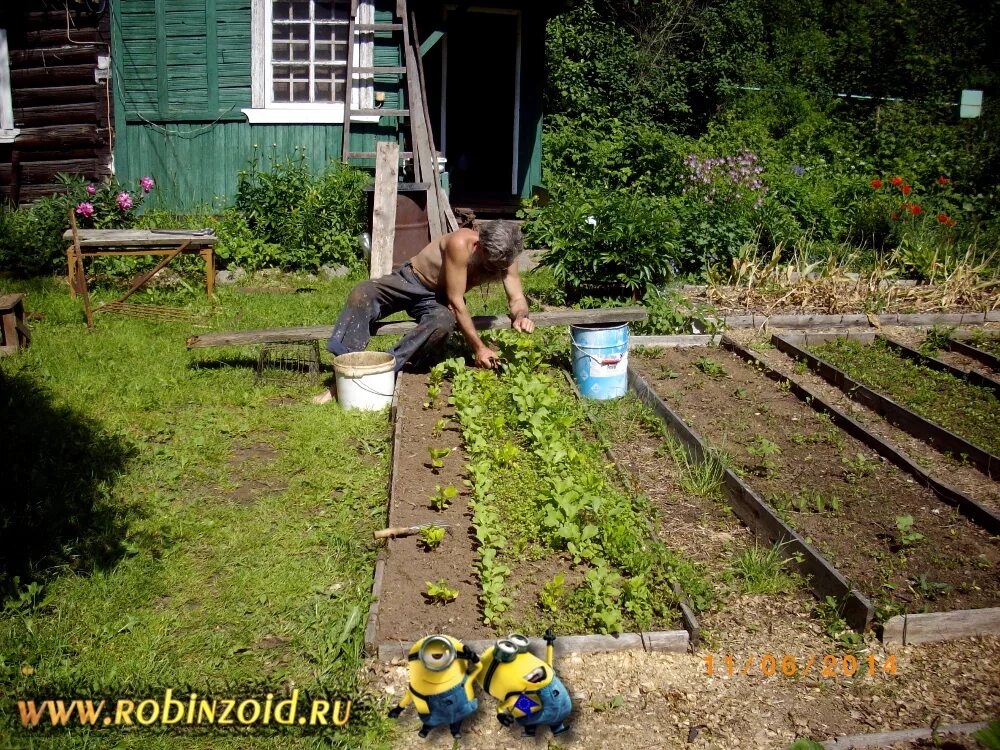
[948,411]
[539,531]
[958,351]
[898,542]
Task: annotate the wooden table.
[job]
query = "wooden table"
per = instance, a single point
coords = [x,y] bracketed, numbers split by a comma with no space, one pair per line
[170,243]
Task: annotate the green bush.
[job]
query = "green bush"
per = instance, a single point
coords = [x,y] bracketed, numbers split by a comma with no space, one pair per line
[606,242]
[297,219]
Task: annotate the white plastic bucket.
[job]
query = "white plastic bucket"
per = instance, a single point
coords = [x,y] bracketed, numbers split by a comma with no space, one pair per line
[365,380]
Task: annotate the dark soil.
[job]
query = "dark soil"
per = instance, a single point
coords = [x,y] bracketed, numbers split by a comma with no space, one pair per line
[405,614]
[738,409]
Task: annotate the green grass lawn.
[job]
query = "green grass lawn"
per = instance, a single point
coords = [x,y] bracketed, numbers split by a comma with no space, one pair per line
[175,524]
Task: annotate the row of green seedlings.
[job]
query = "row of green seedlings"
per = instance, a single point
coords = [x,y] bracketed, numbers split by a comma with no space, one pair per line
[522,414]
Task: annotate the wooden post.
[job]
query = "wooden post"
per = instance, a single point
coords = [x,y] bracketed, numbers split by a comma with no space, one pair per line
[384,213]
[80,276]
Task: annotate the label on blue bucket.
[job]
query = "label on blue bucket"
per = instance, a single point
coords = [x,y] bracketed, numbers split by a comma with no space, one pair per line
[611,366]
[600,360]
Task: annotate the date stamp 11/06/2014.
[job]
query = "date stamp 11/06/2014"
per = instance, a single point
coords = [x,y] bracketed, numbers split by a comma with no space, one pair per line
[790,665]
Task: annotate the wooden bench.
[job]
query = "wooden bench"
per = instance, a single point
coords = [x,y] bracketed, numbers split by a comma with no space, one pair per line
[169,243]
[14,332]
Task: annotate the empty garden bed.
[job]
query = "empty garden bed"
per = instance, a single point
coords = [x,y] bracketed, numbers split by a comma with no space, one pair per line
[901,545]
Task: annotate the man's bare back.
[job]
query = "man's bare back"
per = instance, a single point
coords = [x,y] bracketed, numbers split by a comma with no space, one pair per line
[428,262]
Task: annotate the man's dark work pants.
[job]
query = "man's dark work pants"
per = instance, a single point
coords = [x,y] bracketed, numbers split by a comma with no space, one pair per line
[372,300]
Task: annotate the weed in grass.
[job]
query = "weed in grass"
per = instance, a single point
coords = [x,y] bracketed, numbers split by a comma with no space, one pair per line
[760,569]
[710,367]
[443,496]
[439,592]
[432,536]
[761,346]
[741,393]
[704,478]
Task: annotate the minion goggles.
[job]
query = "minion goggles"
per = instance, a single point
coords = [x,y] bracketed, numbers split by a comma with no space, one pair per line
[505,651]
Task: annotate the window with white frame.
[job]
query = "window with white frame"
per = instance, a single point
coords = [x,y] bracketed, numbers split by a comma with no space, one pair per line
[7,130]
[300,50]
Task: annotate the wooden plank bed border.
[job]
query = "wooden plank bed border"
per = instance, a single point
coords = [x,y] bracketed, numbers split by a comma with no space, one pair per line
[973,352]
[758,516]
[482,323]
[967,506]
[914,424]
[933,627]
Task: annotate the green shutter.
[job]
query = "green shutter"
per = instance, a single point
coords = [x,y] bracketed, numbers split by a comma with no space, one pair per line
[183,60]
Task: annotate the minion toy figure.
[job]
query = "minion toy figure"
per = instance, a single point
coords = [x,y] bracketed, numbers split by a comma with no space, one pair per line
[442,670]
[527,688]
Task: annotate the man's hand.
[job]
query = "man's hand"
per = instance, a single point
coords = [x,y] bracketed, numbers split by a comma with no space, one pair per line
[523,323]
[487,358]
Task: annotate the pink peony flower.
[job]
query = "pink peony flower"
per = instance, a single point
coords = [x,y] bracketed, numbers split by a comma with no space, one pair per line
[147,184]
[91,189]
[124,201]
[85,209]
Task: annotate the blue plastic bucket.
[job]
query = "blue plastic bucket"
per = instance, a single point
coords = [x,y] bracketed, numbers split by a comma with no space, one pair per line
[600,359]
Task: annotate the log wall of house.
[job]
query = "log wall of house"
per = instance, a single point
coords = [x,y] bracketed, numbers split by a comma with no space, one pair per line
[61,96]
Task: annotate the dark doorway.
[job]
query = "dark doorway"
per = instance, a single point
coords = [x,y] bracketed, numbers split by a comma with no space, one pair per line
[480,97]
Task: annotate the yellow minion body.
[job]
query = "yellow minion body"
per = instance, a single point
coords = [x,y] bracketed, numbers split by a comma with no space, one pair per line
[509,680]
[435,666]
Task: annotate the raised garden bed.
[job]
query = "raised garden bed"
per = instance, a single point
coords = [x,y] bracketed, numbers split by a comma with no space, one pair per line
[968,411]
[898,542]
[540,534]
[926,403]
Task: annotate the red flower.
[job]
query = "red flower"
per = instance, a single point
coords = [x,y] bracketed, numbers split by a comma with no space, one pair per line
[943,218]
[876,183]
[896,180]
[915,209]
[942,180]
[906,189]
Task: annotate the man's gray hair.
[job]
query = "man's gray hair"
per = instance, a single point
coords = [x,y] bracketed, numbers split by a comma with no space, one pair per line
[501,242]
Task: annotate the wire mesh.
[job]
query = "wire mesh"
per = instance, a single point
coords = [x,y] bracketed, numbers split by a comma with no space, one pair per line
[288,364]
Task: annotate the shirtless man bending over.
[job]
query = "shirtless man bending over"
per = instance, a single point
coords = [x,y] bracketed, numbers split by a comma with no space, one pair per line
[431,288]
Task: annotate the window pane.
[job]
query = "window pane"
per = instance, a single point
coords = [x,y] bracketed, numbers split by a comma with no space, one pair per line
[282,52]
[300,91]
[329,10]
[281,92]
[331,44]
[291,10]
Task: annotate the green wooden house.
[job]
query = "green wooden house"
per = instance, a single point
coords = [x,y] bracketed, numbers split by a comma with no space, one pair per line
[201,87]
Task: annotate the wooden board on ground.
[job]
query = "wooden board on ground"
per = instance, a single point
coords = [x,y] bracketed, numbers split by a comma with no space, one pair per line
[482,323]
[930,627]
[384,211]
